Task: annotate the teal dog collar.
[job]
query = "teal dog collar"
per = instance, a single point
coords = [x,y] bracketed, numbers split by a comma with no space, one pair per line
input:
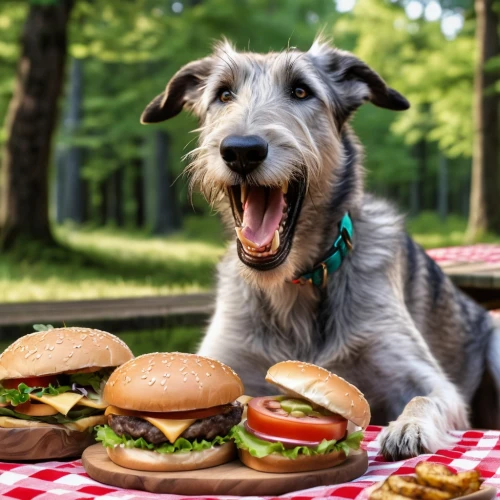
[342,245]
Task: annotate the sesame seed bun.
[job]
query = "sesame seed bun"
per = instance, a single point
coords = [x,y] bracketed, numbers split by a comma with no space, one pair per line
[321,387]
[62,350]
[133,458]
[278,463]
[164,382]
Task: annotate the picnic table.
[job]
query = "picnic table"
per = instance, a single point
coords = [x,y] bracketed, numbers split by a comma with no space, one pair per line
[67,480]
[475,269]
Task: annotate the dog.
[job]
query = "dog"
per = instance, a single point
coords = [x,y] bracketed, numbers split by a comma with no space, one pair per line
[319,271]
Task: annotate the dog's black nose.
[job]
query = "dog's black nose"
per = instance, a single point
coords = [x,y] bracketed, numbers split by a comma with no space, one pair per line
[243,153]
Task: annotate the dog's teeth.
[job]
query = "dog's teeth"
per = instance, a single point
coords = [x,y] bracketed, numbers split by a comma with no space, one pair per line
[244,191]
[284,187]
[276,241]
[281,230]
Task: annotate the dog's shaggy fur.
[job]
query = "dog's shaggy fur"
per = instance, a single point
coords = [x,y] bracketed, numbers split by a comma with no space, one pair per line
[389,320]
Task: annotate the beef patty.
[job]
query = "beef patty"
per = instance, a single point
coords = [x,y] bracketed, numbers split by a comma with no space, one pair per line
[204,428]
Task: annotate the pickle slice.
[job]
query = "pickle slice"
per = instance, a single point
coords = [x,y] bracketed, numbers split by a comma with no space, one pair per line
[296,405]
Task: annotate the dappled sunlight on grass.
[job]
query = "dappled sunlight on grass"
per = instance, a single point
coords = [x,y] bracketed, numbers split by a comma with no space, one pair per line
[430,232]
[111,263]
[105,263]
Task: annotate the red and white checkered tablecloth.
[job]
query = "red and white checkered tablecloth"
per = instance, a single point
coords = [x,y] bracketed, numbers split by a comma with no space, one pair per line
[68,481]
[487,253]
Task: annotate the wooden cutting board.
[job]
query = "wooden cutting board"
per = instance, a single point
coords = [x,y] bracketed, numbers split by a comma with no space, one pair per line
[42,443]
[229,479]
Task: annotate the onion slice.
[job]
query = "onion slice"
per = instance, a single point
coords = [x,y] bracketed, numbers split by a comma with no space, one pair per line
[287,443]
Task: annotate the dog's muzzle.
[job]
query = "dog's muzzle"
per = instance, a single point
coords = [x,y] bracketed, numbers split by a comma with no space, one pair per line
[265,215]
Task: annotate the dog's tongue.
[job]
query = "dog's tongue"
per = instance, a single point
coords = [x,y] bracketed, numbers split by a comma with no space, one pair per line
[262,214]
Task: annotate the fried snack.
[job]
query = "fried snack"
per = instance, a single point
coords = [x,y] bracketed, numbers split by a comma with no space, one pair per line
[385,494]
[410,488]
[433,482]
[429,468]
[459,484]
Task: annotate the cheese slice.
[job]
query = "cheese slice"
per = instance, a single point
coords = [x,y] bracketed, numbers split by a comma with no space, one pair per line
[84,423]
[62,402]
[171,428]
[119,411]
[244,401]
[17,423]
[92,403]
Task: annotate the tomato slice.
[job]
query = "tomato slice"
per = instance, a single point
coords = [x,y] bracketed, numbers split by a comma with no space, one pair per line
[266,417]
[30,382]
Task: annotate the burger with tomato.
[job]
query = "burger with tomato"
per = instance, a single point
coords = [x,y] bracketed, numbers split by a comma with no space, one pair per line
[54,379]
[305,429]
[171,412]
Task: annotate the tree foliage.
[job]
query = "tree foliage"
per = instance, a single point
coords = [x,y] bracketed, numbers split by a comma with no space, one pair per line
[131,49]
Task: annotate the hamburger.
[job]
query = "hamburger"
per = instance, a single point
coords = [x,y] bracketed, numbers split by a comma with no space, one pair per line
[171,412]
[306,428]
[56,378]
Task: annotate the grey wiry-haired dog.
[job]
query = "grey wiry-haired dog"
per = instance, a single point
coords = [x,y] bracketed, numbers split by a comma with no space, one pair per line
[277,157]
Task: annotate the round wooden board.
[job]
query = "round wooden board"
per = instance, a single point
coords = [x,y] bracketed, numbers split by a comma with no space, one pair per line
[42,443]
[229,479]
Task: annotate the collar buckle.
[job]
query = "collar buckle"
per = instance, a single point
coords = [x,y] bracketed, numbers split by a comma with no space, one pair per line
[325,275]
[347,239]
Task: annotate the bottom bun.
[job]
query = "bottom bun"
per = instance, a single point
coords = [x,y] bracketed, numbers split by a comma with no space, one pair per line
[133,458]
[303,463]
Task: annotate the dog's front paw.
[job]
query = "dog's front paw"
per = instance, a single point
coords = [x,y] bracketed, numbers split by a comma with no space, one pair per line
[411,436]
[401,440]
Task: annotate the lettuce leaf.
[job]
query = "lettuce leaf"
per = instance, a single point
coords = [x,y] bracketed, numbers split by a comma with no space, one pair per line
[96,380]
[58,418]
[93,379]
[110,439]
[260,448]
[21,395]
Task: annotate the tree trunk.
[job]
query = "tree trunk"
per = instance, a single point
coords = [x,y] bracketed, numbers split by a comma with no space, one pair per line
[166,216]
[24,210]
[140,216]
[114,209]
[73,186]
[442,200]
[485,188]
[417,185]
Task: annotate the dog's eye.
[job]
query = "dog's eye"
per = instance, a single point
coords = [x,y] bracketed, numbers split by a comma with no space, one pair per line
[300,92]
[225,95]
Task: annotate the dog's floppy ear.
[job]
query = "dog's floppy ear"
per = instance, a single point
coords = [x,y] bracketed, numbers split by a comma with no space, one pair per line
[353,81]
[183,91]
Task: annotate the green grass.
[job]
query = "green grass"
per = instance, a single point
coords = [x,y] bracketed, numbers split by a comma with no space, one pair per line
[430,232]
[107,263]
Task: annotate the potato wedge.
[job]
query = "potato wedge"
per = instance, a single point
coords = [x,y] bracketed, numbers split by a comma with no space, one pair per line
[386,494]
[456,484]
[410,488]
[429,468]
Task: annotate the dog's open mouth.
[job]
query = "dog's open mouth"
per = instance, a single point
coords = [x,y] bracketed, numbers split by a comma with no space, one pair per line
[265,219]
